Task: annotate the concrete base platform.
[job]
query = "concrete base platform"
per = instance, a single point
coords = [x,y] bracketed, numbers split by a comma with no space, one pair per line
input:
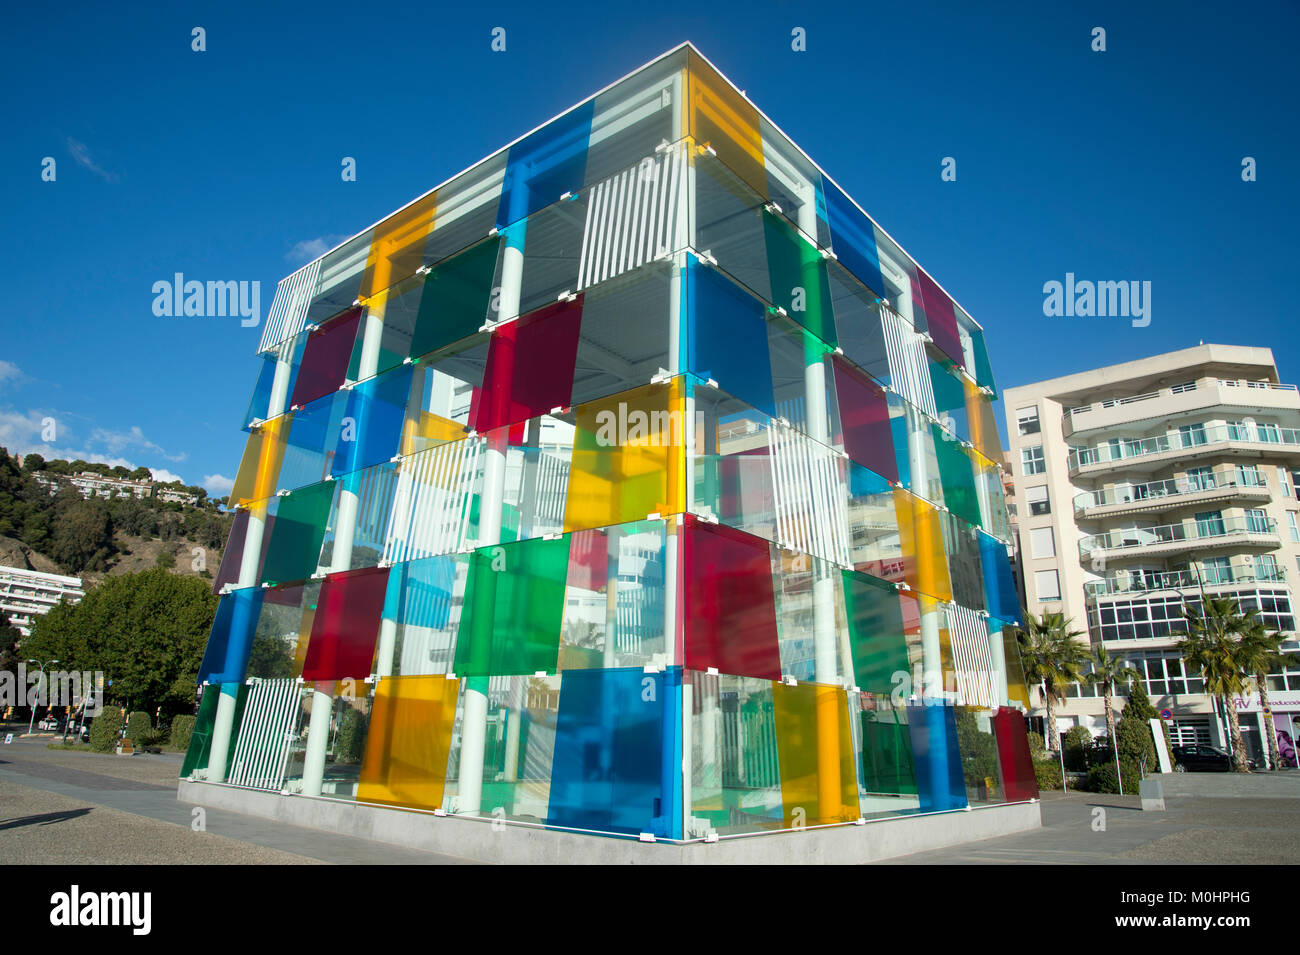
[486,840]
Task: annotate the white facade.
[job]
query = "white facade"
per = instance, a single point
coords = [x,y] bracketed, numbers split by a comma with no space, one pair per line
[25,594]
[1136,484]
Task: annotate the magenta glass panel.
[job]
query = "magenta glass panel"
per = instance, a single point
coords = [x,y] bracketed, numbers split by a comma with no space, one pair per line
[325,359]
[864,419]
[346,626]
[530,366]
[730,604]
[941,319]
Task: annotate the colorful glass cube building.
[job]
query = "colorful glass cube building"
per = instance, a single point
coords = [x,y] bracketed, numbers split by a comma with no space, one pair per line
[634,482]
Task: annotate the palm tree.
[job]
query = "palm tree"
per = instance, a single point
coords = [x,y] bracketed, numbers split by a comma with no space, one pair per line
[1053,657]
[1108,672]
[1262,653]
[1213,646]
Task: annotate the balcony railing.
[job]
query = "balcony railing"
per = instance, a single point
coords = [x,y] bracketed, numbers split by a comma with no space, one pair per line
[1129,449]
[1154,490]
[1184,531]
[1146,582]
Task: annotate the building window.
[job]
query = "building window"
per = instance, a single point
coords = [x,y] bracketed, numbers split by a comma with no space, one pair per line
[1256,520]
[1200,479]
[1284,481]
[1041,542]
[1027,421]
[1249,476]
[1217,570]
[1039,504]
[1047,584]
[1191,435]
[1032,461]
[1293,526]
[1209,524]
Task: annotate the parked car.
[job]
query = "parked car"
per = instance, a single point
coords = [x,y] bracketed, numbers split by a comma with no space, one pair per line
[1200,758]
[50,724]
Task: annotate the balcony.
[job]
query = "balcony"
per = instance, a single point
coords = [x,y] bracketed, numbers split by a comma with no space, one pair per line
[1183,536]
[1143,582]
[1181,399]
[1167,495]
[1257,439]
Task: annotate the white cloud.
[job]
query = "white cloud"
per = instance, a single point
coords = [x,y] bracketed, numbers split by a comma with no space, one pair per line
[81,154]
[162,474]
[308,249]
[117,441]
[10,373]
[217,485]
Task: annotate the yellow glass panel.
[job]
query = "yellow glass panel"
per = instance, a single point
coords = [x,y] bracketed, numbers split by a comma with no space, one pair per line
[925,564]
[409,738]
[423,429]
[1017,691]
[628,457]
[397,248]
[819,784]
[304,635]
[982,422]
[725,120]
[259,469]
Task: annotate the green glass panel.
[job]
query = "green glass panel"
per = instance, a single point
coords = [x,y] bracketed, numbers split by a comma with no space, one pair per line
[876,632]
[887,753]
[296,535]
[514,609]
[456,298]
[798,275]
[196,757]
[957,476]
[983,370]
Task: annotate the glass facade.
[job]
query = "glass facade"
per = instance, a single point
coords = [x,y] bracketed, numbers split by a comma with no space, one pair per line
[633,482]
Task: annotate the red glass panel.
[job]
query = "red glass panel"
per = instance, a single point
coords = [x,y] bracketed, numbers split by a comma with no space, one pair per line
[864,418]
[346,625]
[1018,779]
[325,359]
[530,366]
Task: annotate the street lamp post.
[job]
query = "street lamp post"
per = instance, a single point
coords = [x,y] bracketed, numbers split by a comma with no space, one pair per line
[32,719]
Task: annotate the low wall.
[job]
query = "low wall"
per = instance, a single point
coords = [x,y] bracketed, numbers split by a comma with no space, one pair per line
[483,841]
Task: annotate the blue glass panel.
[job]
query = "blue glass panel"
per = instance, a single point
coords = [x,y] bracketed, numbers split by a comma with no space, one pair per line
[940,783]
[419,592]
[728,338]
[898,425]
[610,771]
[258,404]
[545,165]
[376,409]
[226,658]
[864,481]
[999,587]
[853,239]
[313,437]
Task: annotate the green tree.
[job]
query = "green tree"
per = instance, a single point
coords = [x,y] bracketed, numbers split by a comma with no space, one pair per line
[33,462]
[1109,672]
[1261,654]
[145,631]
[1053,658]
[82,537]
[1213,647]
[165,559]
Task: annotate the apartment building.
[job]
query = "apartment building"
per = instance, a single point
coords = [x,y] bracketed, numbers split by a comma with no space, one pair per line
[26,594]
[1137,484]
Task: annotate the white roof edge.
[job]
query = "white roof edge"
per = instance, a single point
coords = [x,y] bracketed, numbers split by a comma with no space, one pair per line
[685,44]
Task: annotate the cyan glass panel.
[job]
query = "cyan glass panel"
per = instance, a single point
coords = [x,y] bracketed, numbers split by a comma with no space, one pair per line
[936,757]
[611,772]
[545,165]
[876,632]
[728,337]
[797,273]
[314,436]
[226,658]
[983,369]
[419,601]
[999,587]
[296,534]
[853,239]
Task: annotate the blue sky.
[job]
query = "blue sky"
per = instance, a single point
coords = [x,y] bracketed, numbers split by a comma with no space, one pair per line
[224,165]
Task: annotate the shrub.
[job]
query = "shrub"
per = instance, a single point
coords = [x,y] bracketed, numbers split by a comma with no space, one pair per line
[1135,744]
[139,729]
[1037,749]
[182,730]
[1048,774]
[106,730]
[1075,743]
[1102,779]
[351,742]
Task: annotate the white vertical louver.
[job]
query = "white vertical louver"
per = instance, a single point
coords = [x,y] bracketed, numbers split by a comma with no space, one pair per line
[288,312]
[634,216]
[430,513]
[265,732]
[811,506]
[968,633]
[909,369]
